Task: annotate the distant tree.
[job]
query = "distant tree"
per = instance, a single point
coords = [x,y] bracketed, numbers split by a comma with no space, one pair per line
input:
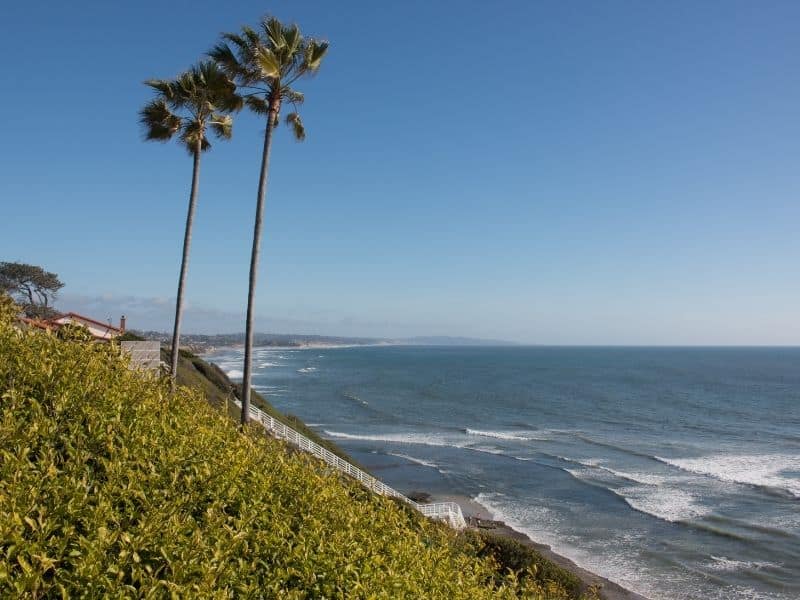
[265,64]
[188,106]
[32,287]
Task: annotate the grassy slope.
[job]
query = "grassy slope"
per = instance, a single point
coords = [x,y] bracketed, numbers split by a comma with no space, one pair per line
[110,487]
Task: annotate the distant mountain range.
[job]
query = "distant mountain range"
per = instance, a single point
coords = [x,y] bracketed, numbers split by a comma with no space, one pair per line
[204,342]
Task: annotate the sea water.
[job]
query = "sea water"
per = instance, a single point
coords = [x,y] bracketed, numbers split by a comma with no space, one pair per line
[674,472]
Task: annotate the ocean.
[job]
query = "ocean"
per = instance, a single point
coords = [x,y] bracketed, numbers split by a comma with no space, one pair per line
[674,472]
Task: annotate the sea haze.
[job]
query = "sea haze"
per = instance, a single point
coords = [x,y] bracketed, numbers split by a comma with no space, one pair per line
[673,471]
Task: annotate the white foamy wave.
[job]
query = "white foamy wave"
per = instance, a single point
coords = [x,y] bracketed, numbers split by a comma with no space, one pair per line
[489,450]
[307,370]
[399,438]
[419,461]
[355,398]
[509,435]
[265,365]
[669,504]
[598,463]
[723,563]
[763,470]
[544,525]
[234,374]
[643,478]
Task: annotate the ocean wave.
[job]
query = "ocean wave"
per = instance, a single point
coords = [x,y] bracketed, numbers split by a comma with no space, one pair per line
[598,463]
[650,493]
[267,364]
[667,503]
[401,438]
[419,461]
[509,435]
[307,370]
[234,374]
[424,439]
[588,440]
[722,563]
[354,398]
[759,470]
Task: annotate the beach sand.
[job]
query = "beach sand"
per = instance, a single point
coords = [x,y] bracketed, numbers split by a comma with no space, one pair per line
[480,517]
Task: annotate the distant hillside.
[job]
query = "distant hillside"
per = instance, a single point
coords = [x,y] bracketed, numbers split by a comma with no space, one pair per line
[205,342]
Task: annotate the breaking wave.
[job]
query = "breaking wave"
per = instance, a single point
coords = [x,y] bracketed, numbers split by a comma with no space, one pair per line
[760,470]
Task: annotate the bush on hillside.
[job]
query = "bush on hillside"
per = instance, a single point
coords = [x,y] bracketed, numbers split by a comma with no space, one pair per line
[110,487]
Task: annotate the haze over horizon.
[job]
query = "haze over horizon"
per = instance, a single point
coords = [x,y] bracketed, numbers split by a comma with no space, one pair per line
[540,173]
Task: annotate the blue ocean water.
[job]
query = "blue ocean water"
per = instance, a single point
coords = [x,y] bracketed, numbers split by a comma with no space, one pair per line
[674,472]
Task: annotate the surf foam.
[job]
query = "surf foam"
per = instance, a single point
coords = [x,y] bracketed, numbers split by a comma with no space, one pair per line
[761,470]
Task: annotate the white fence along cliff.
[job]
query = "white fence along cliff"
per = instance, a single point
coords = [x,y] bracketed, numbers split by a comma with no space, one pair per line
[445,511]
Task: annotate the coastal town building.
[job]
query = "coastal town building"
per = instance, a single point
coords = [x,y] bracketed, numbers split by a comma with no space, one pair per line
[99,330]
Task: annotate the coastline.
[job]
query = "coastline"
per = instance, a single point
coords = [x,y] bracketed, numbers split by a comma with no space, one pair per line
[204,352]
[480,517]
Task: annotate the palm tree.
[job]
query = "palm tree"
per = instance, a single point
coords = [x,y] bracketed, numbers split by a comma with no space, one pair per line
[199,99]
[265,64]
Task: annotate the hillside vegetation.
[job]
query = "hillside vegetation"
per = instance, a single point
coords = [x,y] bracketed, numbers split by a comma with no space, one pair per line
[110,487]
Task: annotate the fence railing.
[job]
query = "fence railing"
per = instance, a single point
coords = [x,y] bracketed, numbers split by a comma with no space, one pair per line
[445,511]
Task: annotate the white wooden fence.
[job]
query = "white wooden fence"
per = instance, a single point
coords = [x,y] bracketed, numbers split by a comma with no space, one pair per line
[445,511]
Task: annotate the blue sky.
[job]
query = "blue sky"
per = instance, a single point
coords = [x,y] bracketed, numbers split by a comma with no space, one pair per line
[545,172]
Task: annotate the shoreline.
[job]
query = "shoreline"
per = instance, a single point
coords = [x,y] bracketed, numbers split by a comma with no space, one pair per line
[480,517]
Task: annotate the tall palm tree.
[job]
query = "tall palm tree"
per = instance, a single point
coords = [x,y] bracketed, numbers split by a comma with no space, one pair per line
[199,99]
[265,64]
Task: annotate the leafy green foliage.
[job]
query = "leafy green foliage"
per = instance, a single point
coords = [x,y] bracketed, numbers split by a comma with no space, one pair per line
[72,332]
[112,487]
[512,555]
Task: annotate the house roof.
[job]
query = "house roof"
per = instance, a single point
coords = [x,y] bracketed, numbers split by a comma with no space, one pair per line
[83,318]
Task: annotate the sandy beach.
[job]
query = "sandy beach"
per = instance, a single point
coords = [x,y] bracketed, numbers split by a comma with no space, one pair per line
[480,517]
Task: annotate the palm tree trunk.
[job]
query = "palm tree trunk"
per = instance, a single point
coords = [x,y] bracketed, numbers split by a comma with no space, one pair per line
[251,294]
[187,242]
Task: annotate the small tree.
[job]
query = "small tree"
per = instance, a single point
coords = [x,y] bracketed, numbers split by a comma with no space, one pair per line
[32,287]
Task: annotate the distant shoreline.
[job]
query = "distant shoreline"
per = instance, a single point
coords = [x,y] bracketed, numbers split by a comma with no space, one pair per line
[299,346]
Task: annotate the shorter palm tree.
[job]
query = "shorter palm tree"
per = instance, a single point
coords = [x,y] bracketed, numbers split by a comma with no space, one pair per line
[201,98]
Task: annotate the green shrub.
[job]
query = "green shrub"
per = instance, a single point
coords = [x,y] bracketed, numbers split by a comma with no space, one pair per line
[513,555]
[111,487]
[71,332]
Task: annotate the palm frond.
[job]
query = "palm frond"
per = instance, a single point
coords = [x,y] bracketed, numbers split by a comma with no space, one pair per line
[188,104]
[274,31]
[314,53]
[269,63]
[258,105]
[294,121]
[222,126]
[270,60]
[159,123]
[226,59]
[292,96]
